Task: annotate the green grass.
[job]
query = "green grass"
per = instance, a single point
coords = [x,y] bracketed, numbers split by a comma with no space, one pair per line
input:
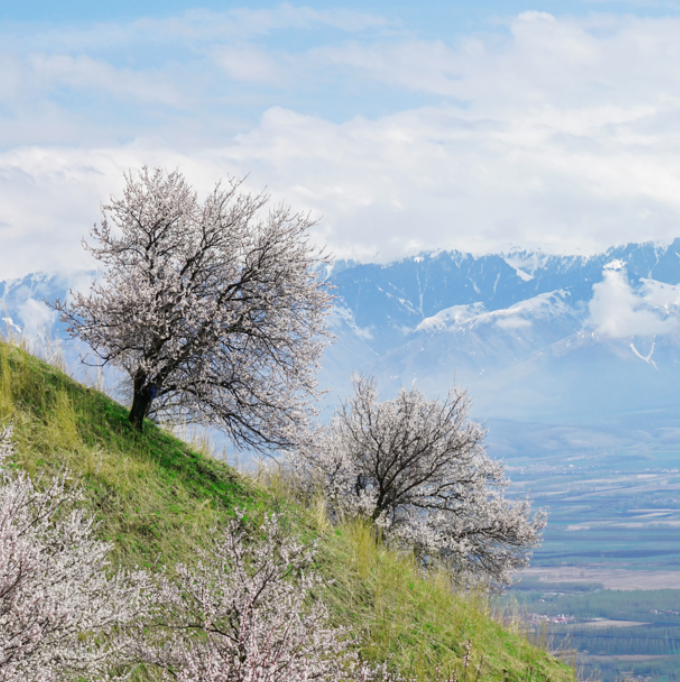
[416,621]
[158,500]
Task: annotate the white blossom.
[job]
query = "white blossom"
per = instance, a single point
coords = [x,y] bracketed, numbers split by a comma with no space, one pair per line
[61,616]
[215,311]
[417,468]
[251,612]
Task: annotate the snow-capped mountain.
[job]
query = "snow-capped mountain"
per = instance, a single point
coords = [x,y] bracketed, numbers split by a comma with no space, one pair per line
[530,335]
[400,295]
[481,340]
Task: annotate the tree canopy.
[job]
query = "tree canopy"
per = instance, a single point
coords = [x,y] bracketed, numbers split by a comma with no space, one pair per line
[418,469]
[215,310]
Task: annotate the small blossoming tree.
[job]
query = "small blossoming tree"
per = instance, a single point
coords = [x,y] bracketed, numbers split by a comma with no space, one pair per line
[61,615]
[418,469]
[215,310]
[250,611]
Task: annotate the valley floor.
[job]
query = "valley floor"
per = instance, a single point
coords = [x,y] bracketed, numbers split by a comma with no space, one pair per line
[606,581]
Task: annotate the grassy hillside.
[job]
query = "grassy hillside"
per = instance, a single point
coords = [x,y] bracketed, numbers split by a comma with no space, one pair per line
[158,500]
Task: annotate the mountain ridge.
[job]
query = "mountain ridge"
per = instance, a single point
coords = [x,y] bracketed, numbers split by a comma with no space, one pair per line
[545,326]
[405,287]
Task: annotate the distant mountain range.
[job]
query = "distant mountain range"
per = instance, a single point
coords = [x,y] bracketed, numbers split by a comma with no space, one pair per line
[533,337]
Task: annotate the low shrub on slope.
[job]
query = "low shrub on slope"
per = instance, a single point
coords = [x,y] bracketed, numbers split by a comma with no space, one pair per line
[158,501]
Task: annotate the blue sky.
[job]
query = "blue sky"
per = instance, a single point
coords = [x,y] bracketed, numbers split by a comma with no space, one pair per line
[422,16]
[425,16]
[403,126]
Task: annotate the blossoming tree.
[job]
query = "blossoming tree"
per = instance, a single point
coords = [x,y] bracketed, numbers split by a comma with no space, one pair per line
[417,468]
[61,616]
[215,310]
[250,611]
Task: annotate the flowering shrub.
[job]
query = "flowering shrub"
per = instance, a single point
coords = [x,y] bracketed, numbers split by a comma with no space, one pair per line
[61,616]
[250,612]
[417,468]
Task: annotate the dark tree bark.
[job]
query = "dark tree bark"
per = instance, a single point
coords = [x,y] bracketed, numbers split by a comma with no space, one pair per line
[139,410]
[144,394]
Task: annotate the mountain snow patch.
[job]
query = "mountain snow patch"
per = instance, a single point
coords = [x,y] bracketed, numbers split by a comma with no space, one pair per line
[450,317]
[615,265]
[340,314]
[513,323]
[524,263]
[545,307]
[647,358]
[666,296]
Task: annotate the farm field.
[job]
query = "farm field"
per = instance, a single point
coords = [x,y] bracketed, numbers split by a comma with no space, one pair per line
[606,581]
[613,632]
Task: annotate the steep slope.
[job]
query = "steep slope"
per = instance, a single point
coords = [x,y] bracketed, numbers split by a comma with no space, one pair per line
[159,500]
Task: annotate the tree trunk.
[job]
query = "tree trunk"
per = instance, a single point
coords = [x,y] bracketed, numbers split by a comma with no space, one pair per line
[140,403]
[139,410]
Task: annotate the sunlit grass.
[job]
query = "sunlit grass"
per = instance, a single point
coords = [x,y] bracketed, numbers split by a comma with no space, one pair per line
[416,620]
[154,496]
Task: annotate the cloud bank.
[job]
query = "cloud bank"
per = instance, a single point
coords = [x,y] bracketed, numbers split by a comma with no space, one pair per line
[559,133]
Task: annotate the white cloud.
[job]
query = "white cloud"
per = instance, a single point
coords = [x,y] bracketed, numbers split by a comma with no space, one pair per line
[84,73]
[568,63]
[36,317]
[428,66]
[248,63]
[562,134]
[617,312]
[50,199]
[434,178]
